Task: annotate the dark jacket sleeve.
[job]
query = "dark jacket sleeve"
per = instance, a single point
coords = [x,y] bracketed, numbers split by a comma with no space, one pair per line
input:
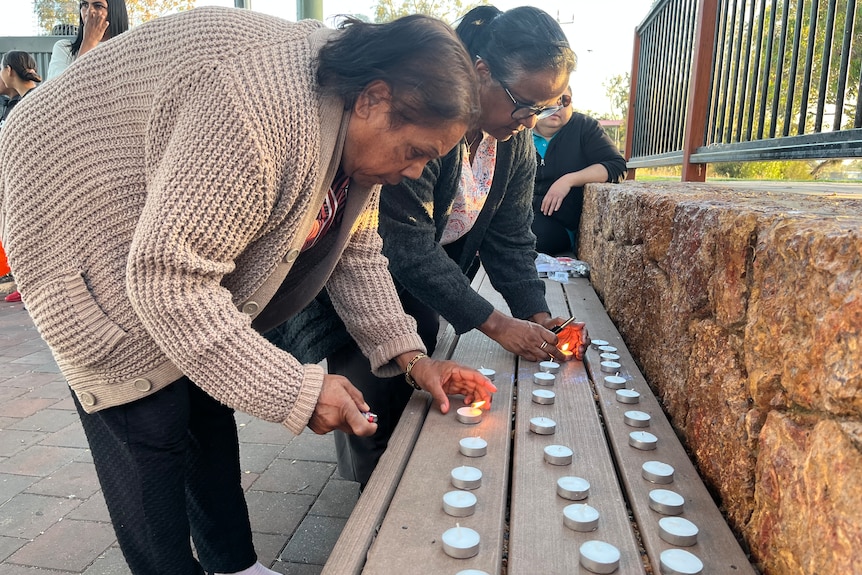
[413,215]
[600,149]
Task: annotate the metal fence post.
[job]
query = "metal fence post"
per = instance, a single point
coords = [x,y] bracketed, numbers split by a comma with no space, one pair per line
[699,90]
[630,116]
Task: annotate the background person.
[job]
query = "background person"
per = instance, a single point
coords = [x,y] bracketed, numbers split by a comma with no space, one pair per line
[100,20]
[572,150]
[151,241]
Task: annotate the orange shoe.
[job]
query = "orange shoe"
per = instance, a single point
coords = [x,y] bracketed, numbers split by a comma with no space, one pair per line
[14,296]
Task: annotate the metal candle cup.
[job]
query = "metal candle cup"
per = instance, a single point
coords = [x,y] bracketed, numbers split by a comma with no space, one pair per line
[573,488]
[643,440]
[680,562]
[489,373]
[636,419]
[466,477]
[666,502]
[678,531]
[657,472]
[580,517]
[459,503]
[471,414]
[473,446]
[549,366]
[615,382]
[597,343]
[607,349]
[544,396]
[543,426]
[543,378]
[558,455]
[610,366]
[609,357]
[461,542]
[628,396]
[599,557]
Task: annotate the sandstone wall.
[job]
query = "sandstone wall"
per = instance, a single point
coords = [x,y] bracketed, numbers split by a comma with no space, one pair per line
[744,310]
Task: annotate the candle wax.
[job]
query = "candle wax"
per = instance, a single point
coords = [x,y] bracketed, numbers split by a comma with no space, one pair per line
[543,396]
[657,472]
[460,542]
[680,562]
[473,446]
[580,517]
[597,343]
[459,503]
[678,531]
[599,557]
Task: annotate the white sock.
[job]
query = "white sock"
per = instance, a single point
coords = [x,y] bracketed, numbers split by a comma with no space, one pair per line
[256,569]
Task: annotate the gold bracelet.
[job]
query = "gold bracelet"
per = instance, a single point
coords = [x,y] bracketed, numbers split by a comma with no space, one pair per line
[410,365]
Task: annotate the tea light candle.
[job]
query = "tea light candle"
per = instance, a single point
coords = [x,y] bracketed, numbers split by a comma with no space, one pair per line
[643,440]
[472,572]
[609,357]
[473,446]
[680,562]
[597,343]
[615,382]
[610,366]
[460,542]
[567,353]
[607,349]
[628,396]
[543,425]
[573,488]
[469,415]
[489,373]
[580,517]
[544,396]
[558,455]
[657,472]
[542,378]
[599,557]
[666,502]
[466,477]
[549,366]
[636,419]
[678,531]
[459,503]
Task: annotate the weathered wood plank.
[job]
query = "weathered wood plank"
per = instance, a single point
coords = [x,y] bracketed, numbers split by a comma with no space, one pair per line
[716,547]
[539,540]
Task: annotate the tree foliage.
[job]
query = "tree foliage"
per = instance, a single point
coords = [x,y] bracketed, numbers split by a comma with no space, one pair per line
[446,10]
[51,12]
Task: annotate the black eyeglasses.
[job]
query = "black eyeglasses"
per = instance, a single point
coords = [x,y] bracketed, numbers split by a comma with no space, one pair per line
[523,111]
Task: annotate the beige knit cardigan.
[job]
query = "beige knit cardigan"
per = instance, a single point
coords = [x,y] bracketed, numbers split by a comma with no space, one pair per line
[155,195]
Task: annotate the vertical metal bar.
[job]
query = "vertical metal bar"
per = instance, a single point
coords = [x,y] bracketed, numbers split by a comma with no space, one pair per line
[779,68]
[648,108]
[688,40]
[824,65]
[794,60]
[845,62]
[857,121]
[631,117]
[664,120]
[754,73]
[660,96]
[695,123]
[715,97]
[767,70]
[730,59]
[809,63]
[743,91]
[644,101]
[676,102]
[735,73]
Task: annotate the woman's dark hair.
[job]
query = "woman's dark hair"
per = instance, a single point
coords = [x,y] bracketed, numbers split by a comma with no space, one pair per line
[420,58]
[118,22]
[22,64]
[517,41]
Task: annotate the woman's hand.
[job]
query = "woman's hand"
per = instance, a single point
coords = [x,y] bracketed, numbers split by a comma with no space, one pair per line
[555,195]
[444,378]
[339,406]
[95,25]
[531,340]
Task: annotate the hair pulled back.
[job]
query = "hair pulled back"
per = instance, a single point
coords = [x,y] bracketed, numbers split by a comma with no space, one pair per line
[118,22]
[23,64]
[520,40]
[420,58]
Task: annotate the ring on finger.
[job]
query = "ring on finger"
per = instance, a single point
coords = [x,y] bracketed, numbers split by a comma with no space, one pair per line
[544,343]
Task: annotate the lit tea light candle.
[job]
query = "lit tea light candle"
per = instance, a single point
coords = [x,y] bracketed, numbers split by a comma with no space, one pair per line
[543,426]
[573,488]
[466,477]
[489,373]
[680,562]
[473,446]
[610,366]
[607,349]
[471,414]
[543,378]
[459,503]
[460,542]
[549,366]
[666,502]
[567,353]
[643,440]
[544,396]
[615,382]
[580,517]
[558,455]
[597,343]
[599,557]
[636,419]
[628,396]
[609,357]
[678,531]
[657,472]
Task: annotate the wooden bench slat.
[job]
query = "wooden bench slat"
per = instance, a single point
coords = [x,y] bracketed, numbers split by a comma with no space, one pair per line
[717,547]
[539,541]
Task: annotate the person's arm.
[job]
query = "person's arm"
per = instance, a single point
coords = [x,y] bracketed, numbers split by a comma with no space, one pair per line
[94,30]
[601,150]
[61,58]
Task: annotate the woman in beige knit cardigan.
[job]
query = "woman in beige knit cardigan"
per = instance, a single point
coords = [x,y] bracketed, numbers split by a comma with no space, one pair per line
[195,182]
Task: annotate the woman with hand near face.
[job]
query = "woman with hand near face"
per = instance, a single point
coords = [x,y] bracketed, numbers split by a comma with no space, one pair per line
[155,234]
[100,20]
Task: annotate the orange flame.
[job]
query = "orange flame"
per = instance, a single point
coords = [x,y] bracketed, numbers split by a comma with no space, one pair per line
[565,347]
[478,404]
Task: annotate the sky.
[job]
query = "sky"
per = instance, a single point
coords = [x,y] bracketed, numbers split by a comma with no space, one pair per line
[601,33]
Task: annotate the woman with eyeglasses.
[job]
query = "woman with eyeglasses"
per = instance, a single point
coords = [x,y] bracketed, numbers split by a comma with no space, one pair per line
[474,200]
[572,150]
[99,20]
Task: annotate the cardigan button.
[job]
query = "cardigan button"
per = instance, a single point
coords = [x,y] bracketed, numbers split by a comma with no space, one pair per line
[250,307]
[143,384]
[87,398]
[291,256]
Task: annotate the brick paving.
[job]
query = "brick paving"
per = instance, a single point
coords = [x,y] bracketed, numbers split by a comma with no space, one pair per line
[53,519]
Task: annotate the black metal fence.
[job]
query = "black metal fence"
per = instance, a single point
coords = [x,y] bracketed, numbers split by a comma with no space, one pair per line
[738,80]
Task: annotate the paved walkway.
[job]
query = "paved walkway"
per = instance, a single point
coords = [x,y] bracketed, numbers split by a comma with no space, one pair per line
[53,519]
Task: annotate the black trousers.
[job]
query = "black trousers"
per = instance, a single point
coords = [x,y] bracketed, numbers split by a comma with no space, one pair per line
[169,468]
